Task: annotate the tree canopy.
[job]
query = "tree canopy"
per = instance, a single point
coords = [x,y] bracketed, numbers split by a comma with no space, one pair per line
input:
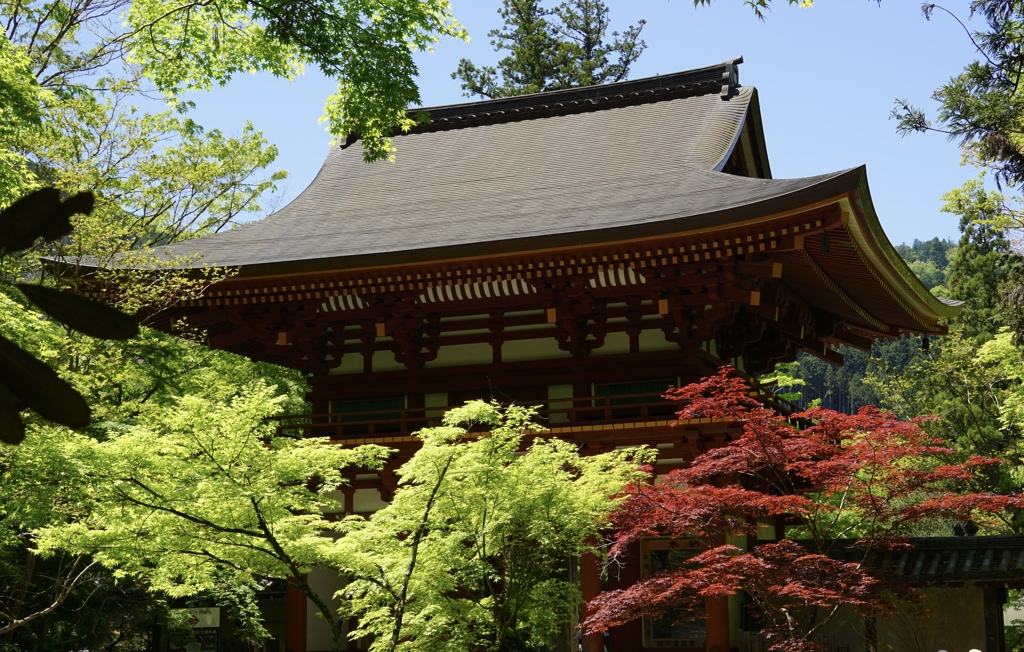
[204,490]
[474,552]
[73,76]
[179,46]
[868,476]
[48,481]
[551,49]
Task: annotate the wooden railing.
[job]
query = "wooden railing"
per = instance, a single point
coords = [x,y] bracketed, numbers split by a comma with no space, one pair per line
[558,412]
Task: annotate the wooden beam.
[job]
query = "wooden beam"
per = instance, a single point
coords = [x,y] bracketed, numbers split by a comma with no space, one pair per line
[741,296]
[765,269]
[853,340]
[822,351]
[230,339]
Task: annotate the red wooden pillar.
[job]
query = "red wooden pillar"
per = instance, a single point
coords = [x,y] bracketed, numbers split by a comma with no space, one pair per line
[717,610]
[628,637]
[590,586]
[294,619]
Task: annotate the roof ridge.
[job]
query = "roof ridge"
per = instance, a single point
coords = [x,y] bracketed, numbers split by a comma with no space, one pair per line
[721,78]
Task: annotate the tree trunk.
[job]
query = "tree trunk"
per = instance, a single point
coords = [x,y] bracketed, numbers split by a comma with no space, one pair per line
[565,638]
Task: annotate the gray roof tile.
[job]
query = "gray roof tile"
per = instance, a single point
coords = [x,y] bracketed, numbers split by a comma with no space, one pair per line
[640,165]
[945,560]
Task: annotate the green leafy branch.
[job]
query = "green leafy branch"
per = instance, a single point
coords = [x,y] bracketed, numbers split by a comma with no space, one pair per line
[27,382]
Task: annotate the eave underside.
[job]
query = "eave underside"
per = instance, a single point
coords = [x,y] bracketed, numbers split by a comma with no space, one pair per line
[760,291]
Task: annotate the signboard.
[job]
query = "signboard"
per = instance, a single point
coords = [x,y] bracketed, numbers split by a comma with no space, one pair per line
[203,617]
[205,622]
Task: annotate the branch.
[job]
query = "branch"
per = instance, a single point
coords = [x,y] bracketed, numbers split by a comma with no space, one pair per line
[417,537]
[65,590]
[928,9]
[179,513]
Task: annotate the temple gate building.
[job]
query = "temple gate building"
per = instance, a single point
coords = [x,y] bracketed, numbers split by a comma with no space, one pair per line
[579,250]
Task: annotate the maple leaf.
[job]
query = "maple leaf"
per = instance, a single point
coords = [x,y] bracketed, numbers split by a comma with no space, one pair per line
[860,478]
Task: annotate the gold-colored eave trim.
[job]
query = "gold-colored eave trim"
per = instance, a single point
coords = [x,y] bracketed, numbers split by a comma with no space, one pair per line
[834,287]
[872,244]
[809,209]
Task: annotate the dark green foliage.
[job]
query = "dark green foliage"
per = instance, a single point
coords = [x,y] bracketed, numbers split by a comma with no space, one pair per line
[934,251]
[99,612]
[981,107]
[551,49]
[27,382]
[1013,302]
[983,266]
[239,595]
[843,388]
[928,260]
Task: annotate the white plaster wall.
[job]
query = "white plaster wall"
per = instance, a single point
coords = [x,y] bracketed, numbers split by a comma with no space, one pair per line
[846,632]
[614,343]
[338,504]
[556,392]
[326,583]
[949,619]
[539,349]
[437,400]
[543,348]
[351,363]
[385,361]
[1010,614]
[366,501]
[458,355]
[654,340]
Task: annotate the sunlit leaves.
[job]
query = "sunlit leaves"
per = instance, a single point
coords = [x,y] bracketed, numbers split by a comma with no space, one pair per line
[489,526]
[366,46]
[205,486]
[21,109]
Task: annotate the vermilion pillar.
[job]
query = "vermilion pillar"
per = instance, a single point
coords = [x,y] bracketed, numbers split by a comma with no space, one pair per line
[717,610]
[294,620]
[590,586]
[628,637]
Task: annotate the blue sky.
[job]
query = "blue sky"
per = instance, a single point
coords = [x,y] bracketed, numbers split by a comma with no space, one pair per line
[827,77]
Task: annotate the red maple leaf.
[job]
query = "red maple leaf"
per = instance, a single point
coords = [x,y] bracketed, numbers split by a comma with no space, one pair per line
[865,477]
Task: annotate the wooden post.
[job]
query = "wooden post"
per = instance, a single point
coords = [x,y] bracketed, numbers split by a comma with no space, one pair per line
[717,610]
[994,599]
[628,637]
[590,586]
[294,619]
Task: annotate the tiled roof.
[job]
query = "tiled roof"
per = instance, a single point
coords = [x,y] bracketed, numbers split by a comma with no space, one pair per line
[603,163]
[948,560]
[618,166]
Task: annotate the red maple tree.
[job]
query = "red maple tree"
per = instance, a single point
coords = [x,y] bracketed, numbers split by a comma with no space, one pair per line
[866,477]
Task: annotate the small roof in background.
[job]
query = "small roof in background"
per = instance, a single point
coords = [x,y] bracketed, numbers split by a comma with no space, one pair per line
[947,560]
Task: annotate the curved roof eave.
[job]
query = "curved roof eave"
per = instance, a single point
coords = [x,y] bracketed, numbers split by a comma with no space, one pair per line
[870,237]
[760,148]
[799,195]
